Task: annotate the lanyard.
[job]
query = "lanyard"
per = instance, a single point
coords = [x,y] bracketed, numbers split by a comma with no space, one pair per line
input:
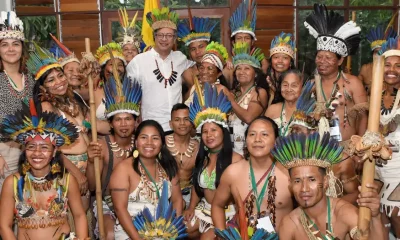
[259,197]
[328,220]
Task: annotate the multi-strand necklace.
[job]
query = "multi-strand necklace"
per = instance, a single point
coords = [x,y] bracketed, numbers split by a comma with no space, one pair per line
[175,152]
[385,110]
[122,152]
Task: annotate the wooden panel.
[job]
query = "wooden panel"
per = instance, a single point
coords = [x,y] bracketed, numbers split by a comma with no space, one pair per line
[77,27]
[274,18]
[275,2]
[34,2]
[34,10]
[78,5]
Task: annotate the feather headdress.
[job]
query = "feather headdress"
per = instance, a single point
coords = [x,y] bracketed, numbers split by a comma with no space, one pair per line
[243,20]
[283,43]
[103,55]
[243,54]
[130,33]
[213,109]
[164,225]
[378,36]
[27,124]
[390,47]
[61,52]
[195,29]
[297,150]
[40,61]
[11,27]
[305,105]
[216,54]
[162,18]
[331,32]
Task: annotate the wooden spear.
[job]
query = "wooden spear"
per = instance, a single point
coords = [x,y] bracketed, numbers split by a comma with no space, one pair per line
[348,63]
[99,199]
[364,216]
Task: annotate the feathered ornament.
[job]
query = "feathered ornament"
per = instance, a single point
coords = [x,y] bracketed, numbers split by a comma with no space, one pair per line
[164,225]
[390,48]
[216,106]
[40,61]
[162,18]
[297,150]
[28,124]
[283,43]
[305,106]
[61,52]
[195,29]
[121,97]
[377,36]
[130,33]
[243,54]
[11,27]
[331,32]
[216,54]
[243,20]
[103,55]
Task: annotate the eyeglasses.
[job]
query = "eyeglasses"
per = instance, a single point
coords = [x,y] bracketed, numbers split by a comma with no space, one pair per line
[167,36]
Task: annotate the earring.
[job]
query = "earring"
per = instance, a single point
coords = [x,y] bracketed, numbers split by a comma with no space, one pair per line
[159,156]
[205,148]
[55,168]
[135,154]
[25,168]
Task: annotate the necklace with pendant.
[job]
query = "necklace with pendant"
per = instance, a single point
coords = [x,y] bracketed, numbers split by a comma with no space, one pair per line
[160,77]
[117,149]
[175,152]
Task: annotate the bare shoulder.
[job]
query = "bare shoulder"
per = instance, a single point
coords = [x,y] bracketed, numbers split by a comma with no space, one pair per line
[288,225]
[124,166]
[343,208]
[236,157]
[353,82]
[235,168]
[47,106]
[274,110]
[280,168]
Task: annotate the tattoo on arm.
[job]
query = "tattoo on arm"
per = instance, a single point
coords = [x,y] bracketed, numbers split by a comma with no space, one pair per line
[118,190]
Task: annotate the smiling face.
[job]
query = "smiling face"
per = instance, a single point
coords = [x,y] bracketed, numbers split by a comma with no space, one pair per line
[109,66]
[10,50]
[56,82]
[129,51]
[308,185]
[74,77]
[197,50]
[123,125]
[149,142]
[164,39]
[260,138]
[212,136]
[327,62]
[39,154]
[280,62]
[291,87]
[180,122]
[245,74]
[392,70]
[208,72]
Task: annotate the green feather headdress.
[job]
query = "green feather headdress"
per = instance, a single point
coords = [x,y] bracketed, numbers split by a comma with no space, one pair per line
[297,150]
[216,54]
[162,18]
[40,61]
[243,54]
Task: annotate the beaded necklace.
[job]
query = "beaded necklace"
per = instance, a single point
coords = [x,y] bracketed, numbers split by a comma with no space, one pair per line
[160,77]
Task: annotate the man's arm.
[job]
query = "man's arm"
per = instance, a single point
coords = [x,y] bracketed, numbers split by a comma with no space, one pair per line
[350,181]
[359,96]
[188,81]
[221,198]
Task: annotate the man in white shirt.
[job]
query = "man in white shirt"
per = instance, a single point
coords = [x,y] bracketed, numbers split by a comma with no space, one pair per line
[161,71]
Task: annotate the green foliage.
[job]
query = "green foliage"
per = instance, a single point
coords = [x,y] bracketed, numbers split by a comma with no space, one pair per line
[37,28]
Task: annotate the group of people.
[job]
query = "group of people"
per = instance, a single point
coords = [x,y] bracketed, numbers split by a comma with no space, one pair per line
[241,144]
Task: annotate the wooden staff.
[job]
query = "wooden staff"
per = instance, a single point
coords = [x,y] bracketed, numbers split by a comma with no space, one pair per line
[99,199]
[364,216]
[348,63]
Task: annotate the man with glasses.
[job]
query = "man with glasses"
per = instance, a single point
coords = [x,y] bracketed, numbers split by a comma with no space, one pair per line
[160,70]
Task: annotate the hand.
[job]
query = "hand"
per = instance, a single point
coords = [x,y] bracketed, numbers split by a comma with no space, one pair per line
[188,214]
[370,199]
[229,65]
[82,181]
[3,164]
[94,150]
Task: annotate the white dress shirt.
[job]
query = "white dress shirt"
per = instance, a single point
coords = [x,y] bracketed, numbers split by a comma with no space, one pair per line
[158,99]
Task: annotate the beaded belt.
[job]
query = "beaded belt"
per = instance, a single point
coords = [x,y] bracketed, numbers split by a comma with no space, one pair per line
[41,222]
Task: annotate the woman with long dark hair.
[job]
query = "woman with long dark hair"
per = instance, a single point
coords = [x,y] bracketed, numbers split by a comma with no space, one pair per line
[41,191]
[250,96]
[15,85]
[137,182]
[214,156]
[281,59]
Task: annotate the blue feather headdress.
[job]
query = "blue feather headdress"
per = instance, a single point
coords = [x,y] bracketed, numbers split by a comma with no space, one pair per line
[233,234]
[243,54]
[164,225]
[378,36]
[243,20]
[209,106]
[61,52]
[11,27]
[305,105]
[390,48]
[283,43]
[40,61]
[28,124]
[297,150]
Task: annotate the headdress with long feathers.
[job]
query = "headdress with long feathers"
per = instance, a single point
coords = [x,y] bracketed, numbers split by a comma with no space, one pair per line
[11,27]
[378,36]
[162,18]
[40,61]
[61,52]
[244,54]
[331,32]
[243,20]
[103,55]
[390,48]
[283,43]
[305,106]
[297,150]
[130,33]
[27,124]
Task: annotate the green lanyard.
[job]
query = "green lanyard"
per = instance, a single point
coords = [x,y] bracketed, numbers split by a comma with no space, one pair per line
[333,90]
[242,96]
[151,178]
[259,197]
[329,227]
